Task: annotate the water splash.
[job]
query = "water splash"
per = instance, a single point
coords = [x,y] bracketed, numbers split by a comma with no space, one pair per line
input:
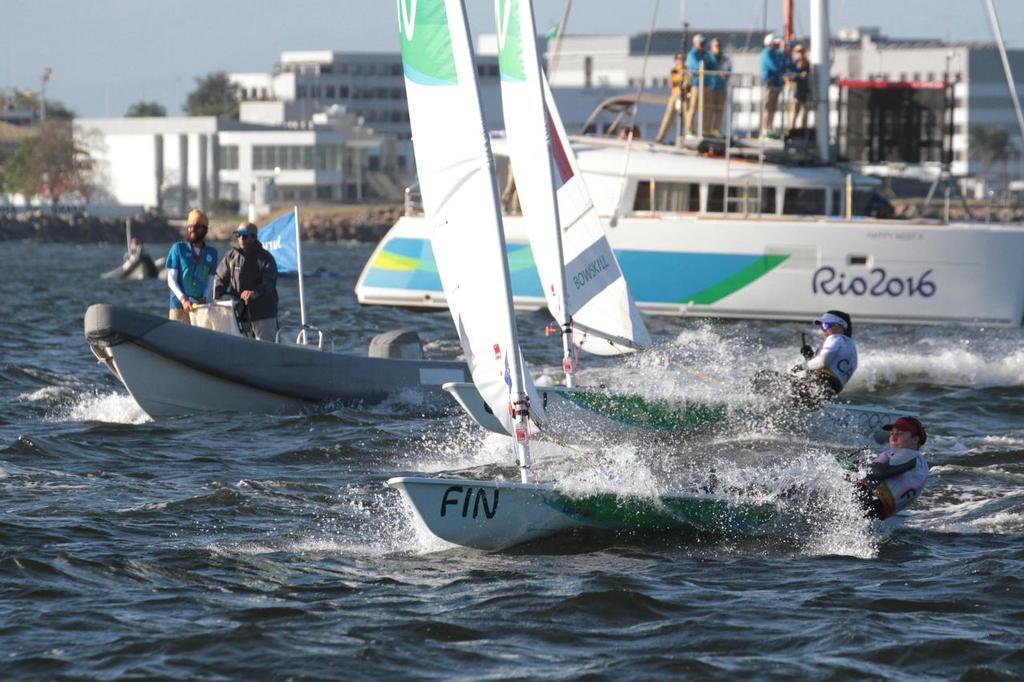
[114,408]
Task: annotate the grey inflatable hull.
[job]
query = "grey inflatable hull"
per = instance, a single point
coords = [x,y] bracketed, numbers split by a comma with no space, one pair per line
[175,369]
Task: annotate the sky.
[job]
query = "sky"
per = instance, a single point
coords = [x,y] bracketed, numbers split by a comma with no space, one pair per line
[108,54]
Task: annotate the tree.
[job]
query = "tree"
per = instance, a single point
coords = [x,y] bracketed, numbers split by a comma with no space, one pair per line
[50,164]
[214,95]
[141,108]
[26,99]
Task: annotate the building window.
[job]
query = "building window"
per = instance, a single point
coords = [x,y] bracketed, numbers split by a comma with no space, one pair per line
[300,92]
[324,192]
[228,157]
[342,92]
[326,68]
[328,92]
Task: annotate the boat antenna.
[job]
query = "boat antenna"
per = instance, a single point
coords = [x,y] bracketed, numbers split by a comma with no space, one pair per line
[614,220]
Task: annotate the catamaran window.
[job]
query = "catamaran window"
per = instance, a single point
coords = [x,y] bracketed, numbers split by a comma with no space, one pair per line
[744,199]
[677,197]
[804,201]
[715,195]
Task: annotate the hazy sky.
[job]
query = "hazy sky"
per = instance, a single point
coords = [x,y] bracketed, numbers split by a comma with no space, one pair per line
[107,54]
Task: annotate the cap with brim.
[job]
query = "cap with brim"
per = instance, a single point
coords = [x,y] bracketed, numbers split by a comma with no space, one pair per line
[909,424]
[829,318]
[244,232]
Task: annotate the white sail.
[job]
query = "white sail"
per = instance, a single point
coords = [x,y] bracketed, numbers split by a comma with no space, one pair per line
[579,273]
[605,318]
[456,175]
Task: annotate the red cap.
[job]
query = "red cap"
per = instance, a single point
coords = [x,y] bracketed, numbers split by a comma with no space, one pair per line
[911,425]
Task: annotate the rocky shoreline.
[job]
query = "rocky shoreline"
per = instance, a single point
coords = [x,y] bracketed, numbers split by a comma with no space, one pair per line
[325,224]
[84,229]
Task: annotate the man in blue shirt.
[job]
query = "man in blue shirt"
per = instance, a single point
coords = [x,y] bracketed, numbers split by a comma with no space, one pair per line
[772,72]
[698,55]
[189,266]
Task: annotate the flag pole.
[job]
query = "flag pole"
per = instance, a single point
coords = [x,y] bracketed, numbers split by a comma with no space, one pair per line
[298,266]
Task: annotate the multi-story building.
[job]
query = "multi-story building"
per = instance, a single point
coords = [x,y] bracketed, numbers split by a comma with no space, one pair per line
[588,69]
[173,163]
[370,86]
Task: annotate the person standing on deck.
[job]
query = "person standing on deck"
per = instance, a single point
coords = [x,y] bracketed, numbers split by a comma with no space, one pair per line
[189,266]
[772,67]
[674,107]
[800,80]
[717,84]
[697,56]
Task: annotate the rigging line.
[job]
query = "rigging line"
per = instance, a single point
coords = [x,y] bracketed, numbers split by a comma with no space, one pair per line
[553,60]
[614,220]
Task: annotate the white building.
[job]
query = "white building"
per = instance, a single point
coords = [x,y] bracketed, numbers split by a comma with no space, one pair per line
[174,163]
[589,69]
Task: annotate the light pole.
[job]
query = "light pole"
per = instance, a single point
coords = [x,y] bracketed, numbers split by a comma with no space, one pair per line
[42,93]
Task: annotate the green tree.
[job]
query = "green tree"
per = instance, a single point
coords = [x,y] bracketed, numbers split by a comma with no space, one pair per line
[26,99]
[141,108]
[215,95]
[50,164]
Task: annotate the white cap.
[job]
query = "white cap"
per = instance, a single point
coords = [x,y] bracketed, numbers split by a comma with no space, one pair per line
[769,39]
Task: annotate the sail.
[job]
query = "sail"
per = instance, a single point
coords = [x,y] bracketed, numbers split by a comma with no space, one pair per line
[579,273]
[605,318]
[460,198]
[522,104]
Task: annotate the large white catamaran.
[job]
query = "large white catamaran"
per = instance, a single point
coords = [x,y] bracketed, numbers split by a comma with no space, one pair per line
[728,237]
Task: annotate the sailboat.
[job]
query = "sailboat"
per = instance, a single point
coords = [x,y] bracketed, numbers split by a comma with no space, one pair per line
[580,276]
[460,198]
[583,284]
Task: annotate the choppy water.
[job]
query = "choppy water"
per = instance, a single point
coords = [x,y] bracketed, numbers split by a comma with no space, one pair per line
[266,547]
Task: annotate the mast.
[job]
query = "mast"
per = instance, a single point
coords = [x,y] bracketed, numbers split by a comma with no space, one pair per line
[530,129]
[820,37]
[298,266]
[998,33]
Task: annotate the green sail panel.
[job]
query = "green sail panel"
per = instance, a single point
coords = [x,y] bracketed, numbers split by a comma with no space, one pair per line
[427,56]
[510,42]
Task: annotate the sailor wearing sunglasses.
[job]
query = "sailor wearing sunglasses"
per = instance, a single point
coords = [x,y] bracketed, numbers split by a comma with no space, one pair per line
[836,361]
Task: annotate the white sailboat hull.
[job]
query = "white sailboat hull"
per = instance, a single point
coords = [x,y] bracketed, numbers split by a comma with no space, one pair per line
[493,515]
[588,423]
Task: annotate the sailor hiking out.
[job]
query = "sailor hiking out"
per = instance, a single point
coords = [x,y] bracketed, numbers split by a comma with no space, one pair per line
[898,474]
[824,373]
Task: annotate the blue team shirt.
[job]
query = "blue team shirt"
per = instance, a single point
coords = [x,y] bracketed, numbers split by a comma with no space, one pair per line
[773,66]
[190,272]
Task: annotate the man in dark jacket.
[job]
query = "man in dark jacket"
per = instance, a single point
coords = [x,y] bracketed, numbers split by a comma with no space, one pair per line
[248,274]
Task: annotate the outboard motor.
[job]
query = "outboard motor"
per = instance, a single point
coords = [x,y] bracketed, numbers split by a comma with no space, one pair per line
[397,344]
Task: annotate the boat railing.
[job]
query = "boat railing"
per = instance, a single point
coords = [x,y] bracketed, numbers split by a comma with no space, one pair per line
[303,337]
[413,203]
